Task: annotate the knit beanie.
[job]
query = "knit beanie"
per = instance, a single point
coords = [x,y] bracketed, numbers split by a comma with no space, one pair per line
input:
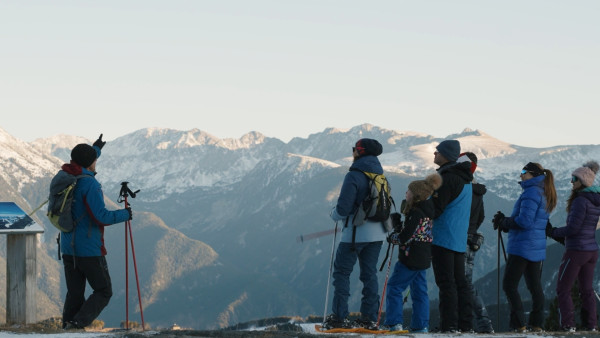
[423,189]
[468,157]
[83,154]
[368,146]
[450,149]
[587,173]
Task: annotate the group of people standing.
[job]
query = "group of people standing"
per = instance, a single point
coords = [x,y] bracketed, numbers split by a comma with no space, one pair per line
[442,215]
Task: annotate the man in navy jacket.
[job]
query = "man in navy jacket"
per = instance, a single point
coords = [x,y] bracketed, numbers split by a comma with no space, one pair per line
[368,240]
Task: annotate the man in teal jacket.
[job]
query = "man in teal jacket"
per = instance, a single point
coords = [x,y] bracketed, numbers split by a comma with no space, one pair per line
[83,248]
[450,226]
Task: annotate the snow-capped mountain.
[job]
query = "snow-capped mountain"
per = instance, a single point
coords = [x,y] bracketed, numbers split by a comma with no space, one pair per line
[22,164]
[249,198]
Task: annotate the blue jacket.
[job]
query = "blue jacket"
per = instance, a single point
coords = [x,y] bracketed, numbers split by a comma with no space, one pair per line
[90,214]
[580,231]
[527,234]
[354,190]
[452,204]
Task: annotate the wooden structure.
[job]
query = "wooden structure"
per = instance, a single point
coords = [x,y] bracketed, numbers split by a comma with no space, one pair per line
[21,263]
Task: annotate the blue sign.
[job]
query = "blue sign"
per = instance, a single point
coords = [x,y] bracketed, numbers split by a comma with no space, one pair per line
[14,220]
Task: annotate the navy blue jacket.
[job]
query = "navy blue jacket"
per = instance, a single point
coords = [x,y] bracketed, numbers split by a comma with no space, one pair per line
[354,190]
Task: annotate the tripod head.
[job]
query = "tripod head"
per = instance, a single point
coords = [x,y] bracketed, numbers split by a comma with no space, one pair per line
[125,191]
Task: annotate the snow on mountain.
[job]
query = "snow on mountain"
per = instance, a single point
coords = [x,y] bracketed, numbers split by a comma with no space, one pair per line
[502,172]
[167,161]
[21,163]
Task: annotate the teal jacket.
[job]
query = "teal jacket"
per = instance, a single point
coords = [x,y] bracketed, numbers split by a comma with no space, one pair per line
[452,204]
[90,215]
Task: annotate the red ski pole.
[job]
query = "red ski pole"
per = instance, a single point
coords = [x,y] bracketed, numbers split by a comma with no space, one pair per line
[126,273]
[125,192]
[137,280]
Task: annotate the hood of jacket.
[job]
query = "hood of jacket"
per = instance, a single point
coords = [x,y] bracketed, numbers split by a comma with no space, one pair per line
[367,163]
[462,170]
[426,207]
[590,195]
[72,168]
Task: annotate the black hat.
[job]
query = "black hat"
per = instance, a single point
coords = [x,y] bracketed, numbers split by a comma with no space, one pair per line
[368,146]
[83,154]
[534,169]
[450,149]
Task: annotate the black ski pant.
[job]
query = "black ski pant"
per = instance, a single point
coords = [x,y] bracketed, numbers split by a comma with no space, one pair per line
[517,266]
[78,270]
[455,296]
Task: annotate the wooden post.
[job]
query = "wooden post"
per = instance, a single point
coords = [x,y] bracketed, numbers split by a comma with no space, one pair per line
[21,264]
[21,276]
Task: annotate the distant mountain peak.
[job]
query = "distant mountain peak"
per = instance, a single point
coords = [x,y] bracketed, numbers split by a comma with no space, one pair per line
[466,132]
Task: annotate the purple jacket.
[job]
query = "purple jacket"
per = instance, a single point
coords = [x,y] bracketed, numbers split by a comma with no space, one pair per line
[580,232]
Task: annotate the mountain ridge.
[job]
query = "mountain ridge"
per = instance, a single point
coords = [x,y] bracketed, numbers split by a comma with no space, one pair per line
[239,205]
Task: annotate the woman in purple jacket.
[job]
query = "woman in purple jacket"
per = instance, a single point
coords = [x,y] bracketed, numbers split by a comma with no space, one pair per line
[579,235]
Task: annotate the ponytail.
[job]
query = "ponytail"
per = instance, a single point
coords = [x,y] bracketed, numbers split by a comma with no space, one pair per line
[549,190]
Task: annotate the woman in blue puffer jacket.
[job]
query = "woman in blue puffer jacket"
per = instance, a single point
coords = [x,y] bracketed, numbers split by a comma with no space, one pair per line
[579,237]
[526,229]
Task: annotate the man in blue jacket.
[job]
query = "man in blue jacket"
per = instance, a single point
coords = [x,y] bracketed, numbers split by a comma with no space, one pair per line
[450,225]
[368,239]
[83,248]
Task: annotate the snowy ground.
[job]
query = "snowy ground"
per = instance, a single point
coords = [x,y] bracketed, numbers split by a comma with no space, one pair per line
[6,334]
[309,330]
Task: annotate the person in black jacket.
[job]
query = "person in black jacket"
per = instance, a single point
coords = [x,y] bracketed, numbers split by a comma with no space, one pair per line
[452,202]
[483,324]
[414,258]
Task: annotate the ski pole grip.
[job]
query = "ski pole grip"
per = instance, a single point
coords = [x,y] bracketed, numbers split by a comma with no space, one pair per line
[125,191]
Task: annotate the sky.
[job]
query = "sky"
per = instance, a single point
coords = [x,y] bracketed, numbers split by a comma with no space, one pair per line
[525,72]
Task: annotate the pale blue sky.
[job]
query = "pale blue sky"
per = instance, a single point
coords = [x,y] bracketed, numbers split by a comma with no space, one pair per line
[526,72]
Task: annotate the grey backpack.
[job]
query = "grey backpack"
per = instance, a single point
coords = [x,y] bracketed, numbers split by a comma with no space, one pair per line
[60,200]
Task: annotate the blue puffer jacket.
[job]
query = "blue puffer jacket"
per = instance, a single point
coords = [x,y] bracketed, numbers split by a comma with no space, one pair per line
[580,232]
[527,236]
[90,214]
[354,190]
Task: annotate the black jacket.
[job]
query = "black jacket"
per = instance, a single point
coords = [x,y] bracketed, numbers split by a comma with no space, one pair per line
[415,252]
[454,177]
[477,213]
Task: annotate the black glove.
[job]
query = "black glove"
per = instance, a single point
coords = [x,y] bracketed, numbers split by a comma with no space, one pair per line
[130,213]
[560,240]
[475,241]
[394,238]
[498,218]
[396,221]
[99,143]
[549,229]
